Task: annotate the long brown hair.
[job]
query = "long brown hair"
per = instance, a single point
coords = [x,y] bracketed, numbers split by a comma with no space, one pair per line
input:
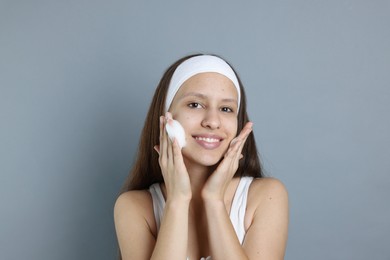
[146,169]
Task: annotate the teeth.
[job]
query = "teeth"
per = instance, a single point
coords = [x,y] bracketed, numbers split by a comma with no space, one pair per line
[209,140]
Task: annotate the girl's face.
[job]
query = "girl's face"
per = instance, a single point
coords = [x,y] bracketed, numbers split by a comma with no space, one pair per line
[206,106]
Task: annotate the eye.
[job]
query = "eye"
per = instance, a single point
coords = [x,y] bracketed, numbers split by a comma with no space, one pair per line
[227,109]
[194,105]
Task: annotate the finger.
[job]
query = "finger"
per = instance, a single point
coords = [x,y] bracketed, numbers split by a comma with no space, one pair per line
[161,127]
[237,144]
[157,149]
[242,135]
[168,120]
[168,115]
[245,132]
[163,139]
[177,155]
[248,130]
[169,141]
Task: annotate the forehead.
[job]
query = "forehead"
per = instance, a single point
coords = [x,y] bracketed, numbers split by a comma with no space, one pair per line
[209,84]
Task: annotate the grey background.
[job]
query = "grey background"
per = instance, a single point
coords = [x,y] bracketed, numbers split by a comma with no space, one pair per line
[76,79]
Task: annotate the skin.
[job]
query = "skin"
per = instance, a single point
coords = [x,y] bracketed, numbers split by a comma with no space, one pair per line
[199,187]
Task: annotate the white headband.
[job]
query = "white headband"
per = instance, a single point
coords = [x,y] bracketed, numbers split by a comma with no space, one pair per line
[196,65]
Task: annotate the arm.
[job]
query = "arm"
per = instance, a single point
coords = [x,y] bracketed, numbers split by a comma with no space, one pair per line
[224,243]
[135,228]
[267,229]
[135,236]
[133,216]
[173,235]
[266,236]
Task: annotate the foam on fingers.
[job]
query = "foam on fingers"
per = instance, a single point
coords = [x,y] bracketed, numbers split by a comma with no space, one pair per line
[175,130]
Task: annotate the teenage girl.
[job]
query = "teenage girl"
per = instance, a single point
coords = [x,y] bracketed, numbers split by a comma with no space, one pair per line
[208,199]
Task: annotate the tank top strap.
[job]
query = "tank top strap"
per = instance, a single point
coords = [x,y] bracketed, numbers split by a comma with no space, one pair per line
[158,203]
[238,209]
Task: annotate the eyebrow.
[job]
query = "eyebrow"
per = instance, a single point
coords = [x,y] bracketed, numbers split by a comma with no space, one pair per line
[201,96]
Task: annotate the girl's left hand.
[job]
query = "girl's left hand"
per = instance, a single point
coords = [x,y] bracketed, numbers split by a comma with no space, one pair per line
[219,180]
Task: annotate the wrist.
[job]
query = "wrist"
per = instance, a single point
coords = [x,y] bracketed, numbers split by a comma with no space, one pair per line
[215,208]
[212,197]
[176,203]
[214,203]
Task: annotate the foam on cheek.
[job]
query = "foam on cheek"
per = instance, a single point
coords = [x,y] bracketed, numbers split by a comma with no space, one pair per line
[175,130]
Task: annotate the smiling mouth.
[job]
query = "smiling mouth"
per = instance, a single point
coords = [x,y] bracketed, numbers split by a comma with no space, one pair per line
[208,142]
[207,139]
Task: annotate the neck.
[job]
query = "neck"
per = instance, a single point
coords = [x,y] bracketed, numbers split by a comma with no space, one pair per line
[198,176]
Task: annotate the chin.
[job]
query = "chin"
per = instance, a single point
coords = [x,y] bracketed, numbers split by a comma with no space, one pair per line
[203,157]
[205,160]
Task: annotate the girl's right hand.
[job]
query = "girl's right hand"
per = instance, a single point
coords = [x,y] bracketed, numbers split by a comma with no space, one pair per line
[174,171]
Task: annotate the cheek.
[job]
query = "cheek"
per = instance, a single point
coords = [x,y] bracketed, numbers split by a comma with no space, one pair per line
[232,126]
[186,122]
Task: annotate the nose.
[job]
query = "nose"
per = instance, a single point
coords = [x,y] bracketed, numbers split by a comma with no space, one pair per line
[211,120]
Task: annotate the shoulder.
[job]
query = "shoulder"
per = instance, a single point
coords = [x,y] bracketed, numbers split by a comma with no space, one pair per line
[130,199]
[267,196]
[134,206]
[268,187]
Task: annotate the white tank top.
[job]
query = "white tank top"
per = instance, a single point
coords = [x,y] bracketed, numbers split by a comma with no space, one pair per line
[237,211]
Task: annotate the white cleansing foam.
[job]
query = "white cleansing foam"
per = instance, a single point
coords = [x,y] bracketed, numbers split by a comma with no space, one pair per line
[175,130]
